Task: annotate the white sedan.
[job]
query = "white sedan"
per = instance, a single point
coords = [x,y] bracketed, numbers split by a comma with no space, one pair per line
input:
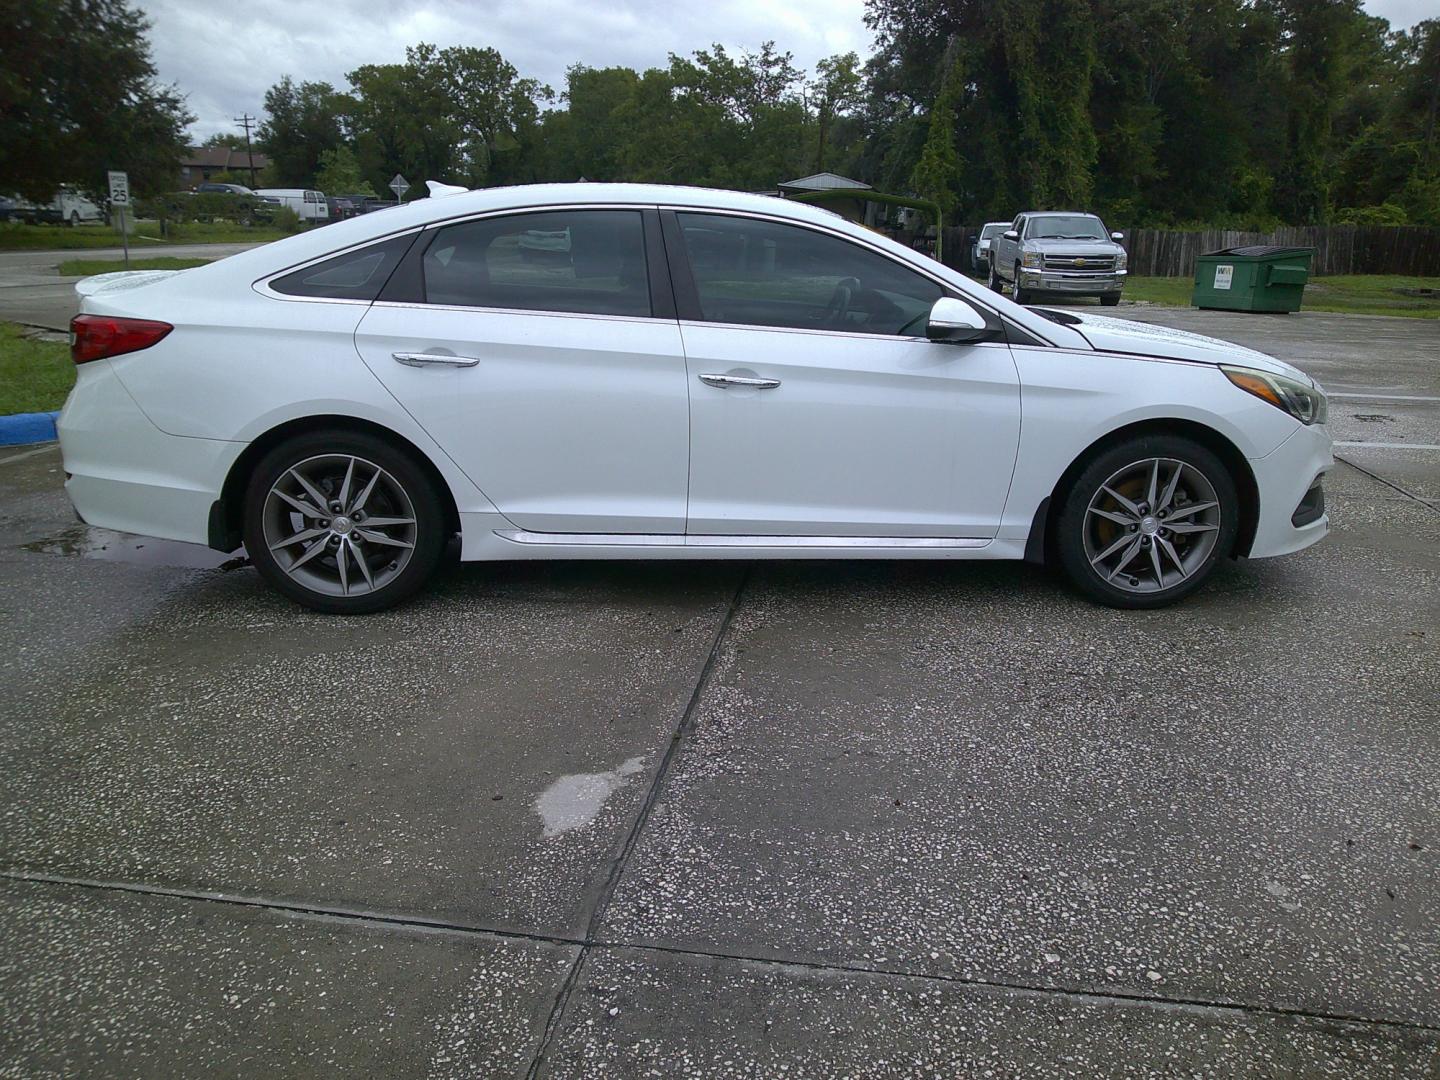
[639,372]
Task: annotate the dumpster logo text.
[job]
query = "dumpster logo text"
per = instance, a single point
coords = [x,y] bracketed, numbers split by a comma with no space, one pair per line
[1223,275]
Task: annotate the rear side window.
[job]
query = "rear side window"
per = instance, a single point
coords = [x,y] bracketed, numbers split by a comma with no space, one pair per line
[590,262]
[356,275]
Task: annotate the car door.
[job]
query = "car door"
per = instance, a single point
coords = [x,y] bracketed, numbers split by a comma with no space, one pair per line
[534,352]
[817,405]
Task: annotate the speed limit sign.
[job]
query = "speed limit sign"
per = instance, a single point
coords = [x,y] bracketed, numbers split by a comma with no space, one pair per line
[119,189]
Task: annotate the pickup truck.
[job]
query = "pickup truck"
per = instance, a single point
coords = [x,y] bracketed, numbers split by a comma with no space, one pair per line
[1058,252]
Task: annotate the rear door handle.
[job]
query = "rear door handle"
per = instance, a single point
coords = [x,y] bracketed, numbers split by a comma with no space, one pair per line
[722,381]
[430,359]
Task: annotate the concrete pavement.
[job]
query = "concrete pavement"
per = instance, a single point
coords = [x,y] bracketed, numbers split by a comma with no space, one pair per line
[703,819]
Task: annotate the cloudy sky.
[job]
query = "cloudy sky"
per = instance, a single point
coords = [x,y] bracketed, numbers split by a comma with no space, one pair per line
[225,55]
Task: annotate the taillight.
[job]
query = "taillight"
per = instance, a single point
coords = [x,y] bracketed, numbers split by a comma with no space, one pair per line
[94,337]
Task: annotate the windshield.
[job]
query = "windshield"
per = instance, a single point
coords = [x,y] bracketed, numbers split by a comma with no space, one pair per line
[992,230]
[1066,227]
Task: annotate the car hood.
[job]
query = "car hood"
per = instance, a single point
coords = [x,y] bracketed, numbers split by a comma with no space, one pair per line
[1074,247]
[1108,334]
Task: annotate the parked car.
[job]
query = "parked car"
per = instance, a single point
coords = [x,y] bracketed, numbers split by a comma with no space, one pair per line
[980,253]
[346,400]
[69,207]
[309,205]
[345,206]
[1058,252]
[222,189]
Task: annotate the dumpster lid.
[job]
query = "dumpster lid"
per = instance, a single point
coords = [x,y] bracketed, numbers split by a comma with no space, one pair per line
[1258,251]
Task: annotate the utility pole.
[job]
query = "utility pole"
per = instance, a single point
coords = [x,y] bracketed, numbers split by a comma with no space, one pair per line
[245,122]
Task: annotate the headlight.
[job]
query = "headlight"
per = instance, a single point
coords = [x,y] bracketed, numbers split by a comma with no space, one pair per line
[1122,261]
[1306,403]
[1032,260]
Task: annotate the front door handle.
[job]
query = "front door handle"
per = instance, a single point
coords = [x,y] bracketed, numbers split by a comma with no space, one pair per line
[430,359]
[722,381]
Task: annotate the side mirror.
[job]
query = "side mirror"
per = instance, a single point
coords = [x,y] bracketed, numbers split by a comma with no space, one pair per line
[1011,234]
[955,321]
[1117,236]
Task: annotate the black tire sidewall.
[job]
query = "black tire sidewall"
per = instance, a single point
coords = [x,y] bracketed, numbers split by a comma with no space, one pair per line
[1069,527]
[430,518]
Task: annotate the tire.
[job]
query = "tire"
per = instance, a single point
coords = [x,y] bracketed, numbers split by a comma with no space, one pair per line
[74,218]
[1022,296]
[995,283]
[347,569]
[1093,523]
[1110,300]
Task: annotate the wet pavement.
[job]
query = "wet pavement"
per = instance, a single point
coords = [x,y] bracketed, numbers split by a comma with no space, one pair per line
[810,819]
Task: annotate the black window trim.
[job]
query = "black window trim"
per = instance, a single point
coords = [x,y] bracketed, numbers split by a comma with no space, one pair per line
[687,296]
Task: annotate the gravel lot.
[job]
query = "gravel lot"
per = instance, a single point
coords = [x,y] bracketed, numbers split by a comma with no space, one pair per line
[814,820]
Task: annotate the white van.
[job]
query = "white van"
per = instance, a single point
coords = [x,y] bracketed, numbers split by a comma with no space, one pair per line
[310,205]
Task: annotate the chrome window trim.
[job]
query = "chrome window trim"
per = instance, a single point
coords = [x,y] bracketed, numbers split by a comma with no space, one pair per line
[702,324]
[536,312]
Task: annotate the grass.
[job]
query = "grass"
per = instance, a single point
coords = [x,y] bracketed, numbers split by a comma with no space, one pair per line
[35,375]
[86,267]
[1361,294]
[145,234]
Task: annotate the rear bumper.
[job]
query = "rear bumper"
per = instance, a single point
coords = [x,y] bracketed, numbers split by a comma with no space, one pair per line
[122,472]
[1290,482]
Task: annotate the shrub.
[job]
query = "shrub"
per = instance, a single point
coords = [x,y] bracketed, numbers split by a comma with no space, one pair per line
[286,220]
[1387,213]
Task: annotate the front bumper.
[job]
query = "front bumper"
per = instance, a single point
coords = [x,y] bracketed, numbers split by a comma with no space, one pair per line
[1290,483]
[1063,281]
[122,472]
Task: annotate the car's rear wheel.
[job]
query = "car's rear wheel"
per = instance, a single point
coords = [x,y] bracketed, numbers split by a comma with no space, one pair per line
[343,522]
[1146,522]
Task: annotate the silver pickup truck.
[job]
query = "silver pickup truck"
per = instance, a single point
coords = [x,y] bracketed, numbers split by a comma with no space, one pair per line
[1058,252]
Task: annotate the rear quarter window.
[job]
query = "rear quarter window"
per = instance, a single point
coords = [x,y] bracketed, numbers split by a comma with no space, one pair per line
[355,275]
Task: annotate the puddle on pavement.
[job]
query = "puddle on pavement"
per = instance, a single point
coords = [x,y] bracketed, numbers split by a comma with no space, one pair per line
[576,800]
[89,542]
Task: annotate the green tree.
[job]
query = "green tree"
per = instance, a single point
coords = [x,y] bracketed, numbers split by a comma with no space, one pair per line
[835,90]
[340,174]
[79,96]
[937,173]
[301,123]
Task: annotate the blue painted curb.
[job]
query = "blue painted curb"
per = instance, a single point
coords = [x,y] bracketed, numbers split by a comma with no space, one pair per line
[28,427]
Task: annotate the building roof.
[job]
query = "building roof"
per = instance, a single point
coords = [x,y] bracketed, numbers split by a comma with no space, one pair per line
[825,181]
[221,157]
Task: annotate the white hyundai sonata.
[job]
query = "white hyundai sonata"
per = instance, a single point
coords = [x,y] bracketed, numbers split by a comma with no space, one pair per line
[602,371]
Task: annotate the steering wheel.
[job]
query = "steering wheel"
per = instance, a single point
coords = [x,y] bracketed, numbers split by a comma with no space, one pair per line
[839,305]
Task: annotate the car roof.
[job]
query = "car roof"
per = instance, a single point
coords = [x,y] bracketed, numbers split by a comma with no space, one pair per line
[1061,213]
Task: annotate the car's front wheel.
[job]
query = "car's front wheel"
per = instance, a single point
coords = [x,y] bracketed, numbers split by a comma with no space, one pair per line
[1146,522]
[343,522]
[1022,296]
[1110,299]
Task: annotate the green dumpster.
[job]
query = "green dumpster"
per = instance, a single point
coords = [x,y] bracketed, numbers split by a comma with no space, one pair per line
[1260,278]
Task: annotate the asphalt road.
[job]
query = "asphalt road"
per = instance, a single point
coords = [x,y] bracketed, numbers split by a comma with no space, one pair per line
[801,820]
[33,293]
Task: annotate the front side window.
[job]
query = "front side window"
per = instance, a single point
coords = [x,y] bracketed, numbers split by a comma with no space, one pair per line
[589,262]
[356,275]
[766,273]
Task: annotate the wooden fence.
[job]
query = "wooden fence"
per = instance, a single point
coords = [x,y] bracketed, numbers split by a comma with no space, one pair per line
[1339,249]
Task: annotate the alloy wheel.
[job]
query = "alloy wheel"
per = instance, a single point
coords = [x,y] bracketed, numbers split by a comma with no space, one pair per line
[1152,525]
[339,525]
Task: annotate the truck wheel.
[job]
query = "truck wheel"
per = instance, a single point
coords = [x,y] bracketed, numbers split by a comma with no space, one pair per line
[74,218]
[995,283]
[1110,300]
[1022,296]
